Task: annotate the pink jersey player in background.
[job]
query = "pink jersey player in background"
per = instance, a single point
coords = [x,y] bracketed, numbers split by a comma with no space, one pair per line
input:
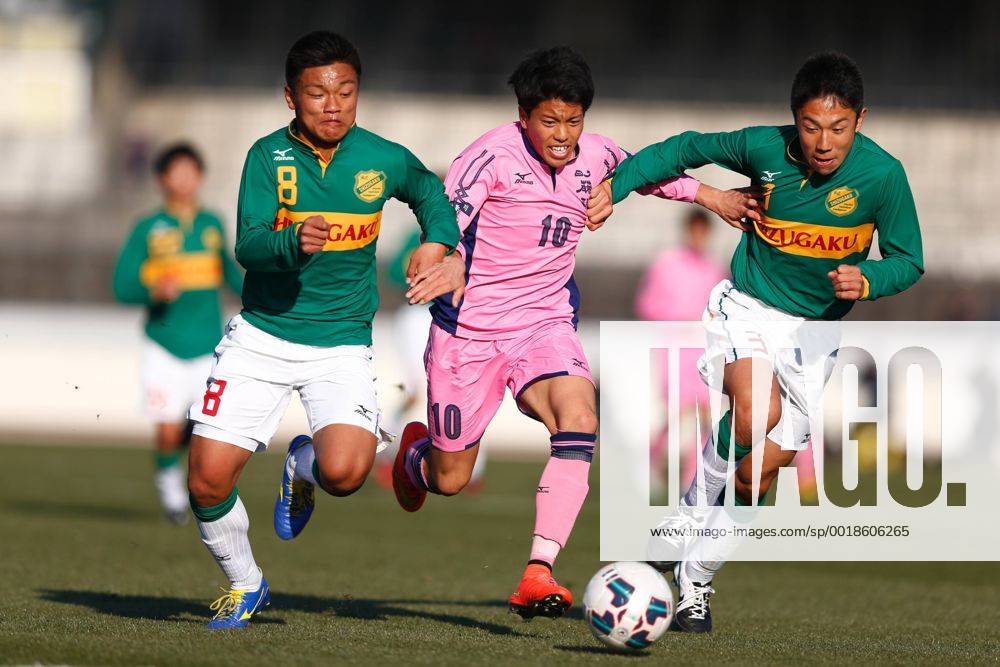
[675,288]
[521,193]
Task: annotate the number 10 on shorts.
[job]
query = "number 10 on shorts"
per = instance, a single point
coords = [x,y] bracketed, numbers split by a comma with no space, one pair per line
[452,420]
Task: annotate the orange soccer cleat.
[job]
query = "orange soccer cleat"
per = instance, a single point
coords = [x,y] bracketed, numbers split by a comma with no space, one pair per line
[538,594]
[409,496]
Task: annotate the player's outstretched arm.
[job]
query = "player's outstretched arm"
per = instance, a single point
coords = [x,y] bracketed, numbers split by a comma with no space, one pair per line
[672,157]
[737,207]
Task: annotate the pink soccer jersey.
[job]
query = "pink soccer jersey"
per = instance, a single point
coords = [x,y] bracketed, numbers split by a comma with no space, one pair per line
[521,221]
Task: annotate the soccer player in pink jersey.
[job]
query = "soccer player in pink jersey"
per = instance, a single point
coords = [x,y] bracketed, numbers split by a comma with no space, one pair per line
[521,193]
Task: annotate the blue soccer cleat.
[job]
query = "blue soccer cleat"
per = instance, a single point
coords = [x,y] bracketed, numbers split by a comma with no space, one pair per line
[296,497]
[236,608]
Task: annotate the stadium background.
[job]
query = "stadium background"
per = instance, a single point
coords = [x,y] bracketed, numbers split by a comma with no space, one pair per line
[95,88]
[89,571]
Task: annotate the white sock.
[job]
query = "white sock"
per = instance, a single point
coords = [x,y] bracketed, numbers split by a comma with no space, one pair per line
[172,489]
[544,549]
[714,472]
[226,538]
[710,554]
[304,459]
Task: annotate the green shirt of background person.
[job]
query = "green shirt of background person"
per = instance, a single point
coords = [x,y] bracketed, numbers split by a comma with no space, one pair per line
[175,262]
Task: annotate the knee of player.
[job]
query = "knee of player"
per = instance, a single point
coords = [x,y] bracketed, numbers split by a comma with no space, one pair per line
[206,491]
[744,479]
[743,422]
[582,421]
[340,478]
[451,483]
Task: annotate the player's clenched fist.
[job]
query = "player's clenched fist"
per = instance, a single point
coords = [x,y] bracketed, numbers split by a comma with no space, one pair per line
[313,234]
[848,283]
[599,207]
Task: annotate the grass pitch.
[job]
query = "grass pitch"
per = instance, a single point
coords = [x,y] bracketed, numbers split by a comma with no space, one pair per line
[90,574]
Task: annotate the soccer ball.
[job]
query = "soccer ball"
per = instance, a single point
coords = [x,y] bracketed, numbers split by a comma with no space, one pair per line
[628,605]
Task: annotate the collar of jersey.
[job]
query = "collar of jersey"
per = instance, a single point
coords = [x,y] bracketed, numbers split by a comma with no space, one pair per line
[186,225]
[303,144]
[533,153]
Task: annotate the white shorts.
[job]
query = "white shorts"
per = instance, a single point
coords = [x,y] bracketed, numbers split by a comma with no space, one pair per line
[254,376]
[802,353]
[170,384]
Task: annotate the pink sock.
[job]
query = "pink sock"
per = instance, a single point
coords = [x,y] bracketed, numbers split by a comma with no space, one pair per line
[561,491]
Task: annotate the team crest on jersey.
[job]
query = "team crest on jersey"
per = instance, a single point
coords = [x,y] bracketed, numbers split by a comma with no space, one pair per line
[369,185]
[211,239]
[842,201]
[164,240]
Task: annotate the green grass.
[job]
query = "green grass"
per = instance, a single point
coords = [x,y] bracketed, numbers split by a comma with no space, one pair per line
[91,575]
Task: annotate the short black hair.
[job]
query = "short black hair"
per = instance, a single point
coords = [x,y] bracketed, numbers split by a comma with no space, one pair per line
[557,73]
[166,157]
[319,48]
[698,216]
[829,74]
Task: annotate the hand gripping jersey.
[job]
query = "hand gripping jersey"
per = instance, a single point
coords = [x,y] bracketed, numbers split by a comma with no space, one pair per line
[521,221]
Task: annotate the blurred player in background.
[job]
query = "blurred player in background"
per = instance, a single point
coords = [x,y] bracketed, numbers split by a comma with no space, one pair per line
[675,289]
[827,189]
[411,323]
[310,211]
[174,263]
[520,191]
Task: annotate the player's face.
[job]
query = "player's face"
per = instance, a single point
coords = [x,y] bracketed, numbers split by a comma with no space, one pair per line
[826,131]
[325,102]
[553,128]
[181,180]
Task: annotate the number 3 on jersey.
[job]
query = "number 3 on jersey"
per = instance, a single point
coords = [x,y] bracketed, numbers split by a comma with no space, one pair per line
[288,191]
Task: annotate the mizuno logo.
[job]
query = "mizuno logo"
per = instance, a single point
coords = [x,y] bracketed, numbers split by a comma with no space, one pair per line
[768,176]
[523,178]
[579,363]
[364,412]
[280,156]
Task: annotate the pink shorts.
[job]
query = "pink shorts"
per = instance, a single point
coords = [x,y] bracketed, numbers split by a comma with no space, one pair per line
[466,377]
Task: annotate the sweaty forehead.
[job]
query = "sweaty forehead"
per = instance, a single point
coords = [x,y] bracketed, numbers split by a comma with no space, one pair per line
[328,76]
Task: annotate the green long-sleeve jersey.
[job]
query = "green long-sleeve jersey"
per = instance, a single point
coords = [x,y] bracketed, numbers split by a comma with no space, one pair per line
[194,255]
[812,223]
[328,298]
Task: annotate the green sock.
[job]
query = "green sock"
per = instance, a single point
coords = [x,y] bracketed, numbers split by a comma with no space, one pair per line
[215,512]
[166,460]
[725,436]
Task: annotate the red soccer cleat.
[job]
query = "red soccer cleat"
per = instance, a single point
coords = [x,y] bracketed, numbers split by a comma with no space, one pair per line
[409,496]
[538,594]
